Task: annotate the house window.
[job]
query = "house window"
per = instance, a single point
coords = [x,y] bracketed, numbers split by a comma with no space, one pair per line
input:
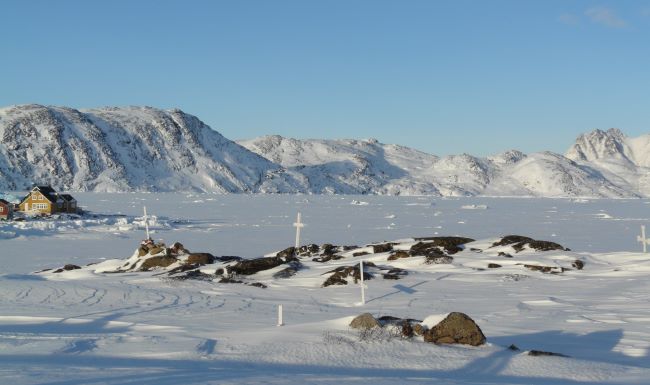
[39,206]
[2,209]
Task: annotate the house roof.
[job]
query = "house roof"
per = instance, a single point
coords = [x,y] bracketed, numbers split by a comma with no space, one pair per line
[47,191]
[67,197]
[4,202]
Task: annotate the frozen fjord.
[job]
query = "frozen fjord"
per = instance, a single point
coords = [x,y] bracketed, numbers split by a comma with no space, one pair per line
[151,331]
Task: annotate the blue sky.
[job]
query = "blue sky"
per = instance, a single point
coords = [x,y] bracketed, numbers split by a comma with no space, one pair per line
[442,76]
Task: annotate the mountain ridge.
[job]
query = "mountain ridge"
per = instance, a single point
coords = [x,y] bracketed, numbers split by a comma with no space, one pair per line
[139,148]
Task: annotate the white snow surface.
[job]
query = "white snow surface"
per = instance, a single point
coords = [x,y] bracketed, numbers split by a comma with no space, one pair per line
[87,326]
[125,149]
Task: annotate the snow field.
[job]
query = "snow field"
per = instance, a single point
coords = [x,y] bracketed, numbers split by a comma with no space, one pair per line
[84,326]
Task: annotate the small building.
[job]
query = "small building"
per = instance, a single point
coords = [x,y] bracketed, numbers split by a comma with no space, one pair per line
[45,200]
[6,210]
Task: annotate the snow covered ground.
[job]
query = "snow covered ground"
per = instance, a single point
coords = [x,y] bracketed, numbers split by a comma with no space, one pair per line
[84,327]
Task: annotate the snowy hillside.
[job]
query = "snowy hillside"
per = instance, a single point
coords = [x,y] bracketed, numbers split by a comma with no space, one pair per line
[121,149]
[147,149]
[367,166]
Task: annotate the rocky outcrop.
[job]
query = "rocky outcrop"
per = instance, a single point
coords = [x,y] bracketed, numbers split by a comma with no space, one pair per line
[519,242]
[365,321]
[456,328]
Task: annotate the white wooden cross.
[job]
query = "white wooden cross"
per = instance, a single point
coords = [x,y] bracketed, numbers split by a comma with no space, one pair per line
[363,289]
[641,238]
[280,320]
[146,222]
[298,225]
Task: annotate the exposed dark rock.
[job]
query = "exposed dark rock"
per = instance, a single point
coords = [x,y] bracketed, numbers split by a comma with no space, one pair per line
[513,347]
[229,280]
[178,248]
[398,254]
[257,284]
[475,250]
[183,268]
[308,249]
[546,269]
[360,253]
[505,255]
[288,272]
[193,274]
[450,244]
[327,258]
[418,329]
[395,273]
[518,243]
[382,248]
[328,249]
[343,272]
[161,261]
[335,279]
[578,264]
[438,259]
[200,258]
[288,252]
[456,328]
[388,320]
[538,353]
[407,329]
[493,265]
[67,267]
[252,266]
[365,321]
[156,250]
[228,258]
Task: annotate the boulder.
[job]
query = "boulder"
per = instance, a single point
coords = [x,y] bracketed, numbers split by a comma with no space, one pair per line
[328,249]
[200,258]
[456,328]
[161,261]
[438,259]
[288,252]
[578,264]
[156,250]
[252,266]
[493,265]
[407,329]
[308,249]
[342,272]
[418,329]
[450,244]
[395,273]
[538,353]
[398,254]
[327,258]
[365,321]
[228,258]
[290,271]
[518,243]
[178,248]
[382,248]
[67,267]
[546,269]
[360,253]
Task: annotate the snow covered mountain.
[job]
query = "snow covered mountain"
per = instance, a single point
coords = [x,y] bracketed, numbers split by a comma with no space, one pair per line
[148,149]
[122,149]
[354,166]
